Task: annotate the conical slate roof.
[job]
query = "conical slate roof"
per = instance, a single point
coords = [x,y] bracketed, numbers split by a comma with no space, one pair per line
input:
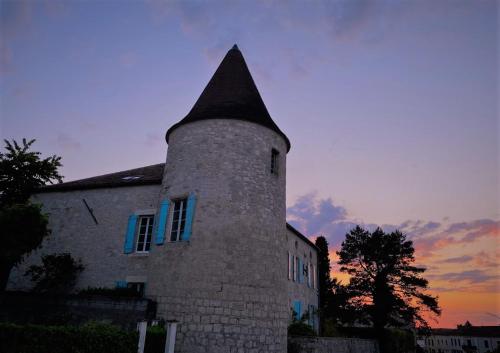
[231,94]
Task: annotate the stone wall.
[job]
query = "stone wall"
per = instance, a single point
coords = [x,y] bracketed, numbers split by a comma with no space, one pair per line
[227,286]
[31,308]
[99,246]
[331,345]
[307,294]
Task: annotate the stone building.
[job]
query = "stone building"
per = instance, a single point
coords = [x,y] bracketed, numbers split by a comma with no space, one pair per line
[204,234]
[471,339]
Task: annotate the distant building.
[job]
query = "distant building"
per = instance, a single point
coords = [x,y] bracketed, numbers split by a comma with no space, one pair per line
[473,339]
[204,234]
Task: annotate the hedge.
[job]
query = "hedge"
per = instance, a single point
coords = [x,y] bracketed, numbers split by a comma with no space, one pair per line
[91,338]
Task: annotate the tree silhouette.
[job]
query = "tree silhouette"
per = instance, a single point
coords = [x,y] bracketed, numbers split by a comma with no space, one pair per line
[384,284]
[23,225]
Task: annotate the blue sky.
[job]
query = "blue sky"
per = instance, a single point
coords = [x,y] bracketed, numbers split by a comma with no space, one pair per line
[391,106]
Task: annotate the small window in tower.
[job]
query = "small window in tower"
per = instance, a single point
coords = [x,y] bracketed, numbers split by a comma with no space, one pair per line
[178,220]
[274,161]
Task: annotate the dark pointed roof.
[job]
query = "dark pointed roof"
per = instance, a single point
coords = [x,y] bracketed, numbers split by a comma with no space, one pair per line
[231,94]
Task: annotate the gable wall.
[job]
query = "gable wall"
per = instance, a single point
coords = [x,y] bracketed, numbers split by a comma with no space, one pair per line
[99,246]
[301,291]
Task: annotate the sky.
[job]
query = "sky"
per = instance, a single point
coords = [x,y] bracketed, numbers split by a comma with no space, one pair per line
[391,108]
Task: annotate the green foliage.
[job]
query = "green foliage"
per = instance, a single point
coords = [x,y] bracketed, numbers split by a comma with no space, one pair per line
[299,327]
[23,171]
[325,283]
[384,286]
[57,274]
[23,225]
[110,292]
[155,339]
[91,338]
[23,229]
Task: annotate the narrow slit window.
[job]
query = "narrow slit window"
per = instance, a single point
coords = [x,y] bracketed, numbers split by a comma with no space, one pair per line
[178,220]
[144,233]
[274,161]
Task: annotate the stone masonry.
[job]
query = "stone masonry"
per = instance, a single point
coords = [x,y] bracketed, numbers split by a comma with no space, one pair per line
[231,277]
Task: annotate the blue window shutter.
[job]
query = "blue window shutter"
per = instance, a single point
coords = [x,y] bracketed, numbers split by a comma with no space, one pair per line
[191,201]
[121,284]
[297,308]
[129,236]
[162,222]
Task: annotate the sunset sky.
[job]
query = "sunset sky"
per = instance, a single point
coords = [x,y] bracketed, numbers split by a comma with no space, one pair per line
[391,108]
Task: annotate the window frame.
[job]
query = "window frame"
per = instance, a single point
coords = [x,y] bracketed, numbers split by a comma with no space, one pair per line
[149,228]
[181,220]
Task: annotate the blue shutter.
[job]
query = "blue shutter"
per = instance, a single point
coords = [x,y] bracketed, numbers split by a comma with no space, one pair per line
[129,236]
[191,201]
[162,222]
[121,284]
[297,307]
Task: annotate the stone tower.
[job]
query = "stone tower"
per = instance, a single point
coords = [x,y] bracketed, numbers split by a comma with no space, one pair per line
[221,271]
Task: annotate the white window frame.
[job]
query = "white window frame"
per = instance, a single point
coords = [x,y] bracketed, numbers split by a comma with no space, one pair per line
[289,263]
[183,207]
[148,234]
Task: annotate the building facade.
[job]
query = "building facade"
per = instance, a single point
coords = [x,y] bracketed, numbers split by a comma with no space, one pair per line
[204,234]
[474,339]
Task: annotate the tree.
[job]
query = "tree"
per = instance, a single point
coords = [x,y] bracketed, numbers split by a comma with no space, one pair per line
[23,171]
[384,284]
[324,281]
[23,225]
[56,274]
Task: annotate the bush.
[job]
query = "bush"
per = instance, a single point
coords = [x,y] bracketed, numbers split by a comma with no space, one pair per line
[110,292]
[91,338]
[299,328]
[155,339]
[57,274]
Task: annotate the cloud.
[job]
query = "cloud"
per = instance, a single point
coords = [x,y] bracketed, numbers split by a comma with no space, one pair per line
[456,260]
[432,240]
[470,276]
[128,59]
[67,142]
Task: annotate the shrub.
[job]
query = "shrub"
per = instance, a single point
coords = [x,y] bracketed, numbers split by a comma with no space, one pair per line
[91,338]
[110,292]
[155,339]
[57,274]
[299,328]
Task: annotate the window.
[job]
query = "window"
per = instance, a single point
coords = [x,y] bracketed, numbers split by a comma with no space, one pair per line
[274,161]
[486,345]
[137,287]
[144,233]
[295,265]
[309,274]
[178,220]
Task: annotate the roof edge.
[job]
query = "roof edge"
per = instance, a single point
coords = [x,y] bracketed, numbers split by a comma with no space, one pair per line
[180,123]
[301,236]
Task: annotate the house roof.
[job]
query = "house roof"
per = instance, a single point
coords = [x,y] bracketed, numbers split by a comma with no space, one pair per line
[473,331]
[151,174]
[231,93]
